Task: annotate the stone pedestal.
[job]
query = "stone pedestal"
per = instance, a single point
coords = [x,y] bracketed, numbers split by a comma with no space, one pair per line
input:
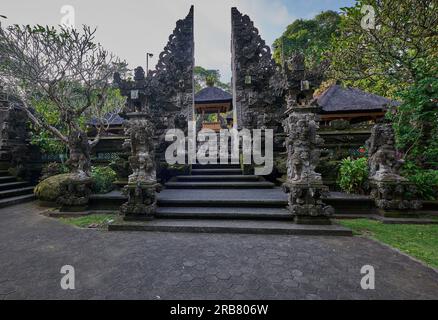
[75,193]
[395,198]
[305,203]
[142,201]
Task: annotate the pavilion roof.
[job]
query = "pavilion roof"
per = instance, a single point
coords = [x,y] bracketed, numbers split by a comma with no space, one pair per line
[212,95]
[339,99]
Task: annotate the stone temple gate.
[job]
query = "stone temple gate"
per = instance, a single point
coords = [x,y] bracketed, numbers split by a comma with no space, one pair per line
[258,83]
[262,92]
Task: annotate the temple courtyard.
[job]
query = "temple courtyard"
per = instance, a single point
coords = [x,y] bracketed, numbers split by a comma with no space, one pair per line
[159,265]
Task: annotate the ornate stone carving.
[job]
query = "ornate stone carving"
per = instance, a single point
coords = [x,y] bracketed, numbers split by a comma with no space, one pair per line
[258,83]
[304,185]
[171,85]
[383,161]
[301,82]
[393,194]
[75,192]
[169,90]
[142,184]
[142,162]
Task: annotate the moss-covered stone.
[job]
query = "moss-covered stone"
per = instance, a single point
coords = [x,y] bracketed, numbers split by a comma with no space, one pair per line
[50,189]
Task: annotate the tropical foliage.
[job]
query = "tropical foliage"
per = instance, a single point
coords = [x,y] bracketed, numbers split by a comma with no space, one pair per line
[103,178]
[390,48]
[208,77]
[389,53]
[310,37]
[353,175]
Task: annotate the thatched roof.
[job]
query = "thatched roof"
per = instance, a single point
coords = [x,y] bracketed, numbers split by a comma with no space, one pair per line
[339,99]
[212,95]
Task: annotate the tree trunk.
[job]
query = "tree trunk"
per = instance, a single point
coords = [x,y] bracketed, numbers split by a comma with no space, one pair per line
[79,161]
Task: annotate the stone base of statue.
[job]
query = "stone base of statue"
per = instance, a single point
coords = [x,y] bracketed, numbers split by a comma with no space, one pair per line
[142,201]
[75,193]
[305,202]
[394,196]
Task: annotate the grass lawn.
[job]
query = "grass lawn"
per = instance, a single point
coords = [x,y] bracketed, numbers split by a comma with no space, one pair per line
[419,241]
[90,221]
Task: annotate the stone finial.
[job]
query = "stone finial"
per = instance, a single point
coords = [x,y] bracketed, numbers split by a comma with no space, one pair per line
[139,74]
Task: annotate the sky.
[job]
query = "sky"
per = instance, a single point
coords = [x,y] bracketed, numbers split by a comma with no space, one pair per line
[130,28]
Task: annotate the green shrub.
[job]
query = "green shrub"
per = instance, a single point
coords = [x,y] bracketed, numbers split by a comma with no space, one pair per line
[103,178]
[426,180]
[353,175]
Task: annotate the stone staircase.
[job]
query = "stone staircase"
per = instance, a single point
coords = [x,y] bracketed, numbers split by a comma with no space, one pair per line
[216,198]
[13,191]
[218,191]
[219,198]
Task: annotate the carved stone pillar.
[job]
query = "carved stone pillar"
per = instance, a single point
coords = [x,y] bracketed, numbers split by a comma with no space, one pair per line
[393,194]
[142,183]
[304,186]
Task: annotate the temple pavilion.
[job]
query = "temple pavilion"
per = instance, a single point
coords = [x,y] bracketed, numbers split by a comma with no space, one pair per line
[213,108]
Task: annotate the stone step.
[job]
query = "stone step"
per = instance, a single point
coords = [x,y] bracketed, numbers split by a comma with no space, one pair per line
[216,166]
[222,203]
[110,201]
[16,200]
[229,226]
[13,185]
[224,213]
[272,197]
[216,171]
[16,192]
[4,173]
[7,179]
[351,204]
[220,178]
[220,185]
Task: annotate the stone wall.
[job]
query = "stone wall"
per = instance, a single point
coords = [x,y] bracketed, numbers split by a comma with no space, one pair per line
[14,153]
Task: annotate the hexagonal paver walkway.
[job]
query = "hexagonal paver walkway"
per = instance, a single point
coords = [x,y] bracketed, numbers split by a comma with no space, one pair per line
[149,265]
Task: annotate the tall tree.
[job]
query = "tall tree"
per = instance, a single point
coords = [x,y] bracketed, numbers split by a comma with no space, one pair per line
[204,77]
[386,45]
[310,37]
[389,48]
[69,74]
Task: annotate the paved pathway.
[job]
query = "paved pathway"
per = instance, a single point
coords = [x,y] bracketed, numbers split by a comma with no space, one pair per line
[206,266]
